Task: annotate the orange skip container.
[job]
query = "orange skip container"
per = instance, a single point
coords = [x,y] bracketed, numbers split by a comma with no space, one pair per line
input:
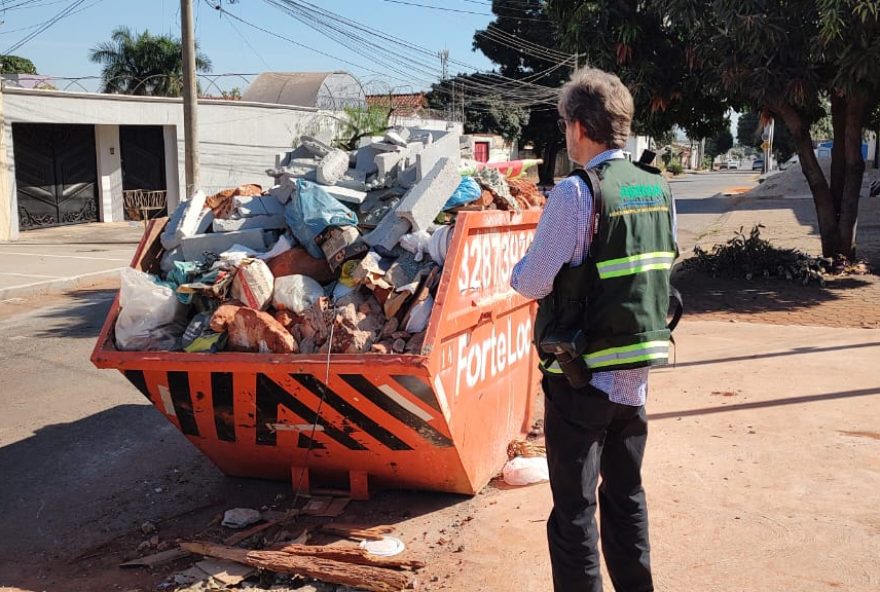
[439,421]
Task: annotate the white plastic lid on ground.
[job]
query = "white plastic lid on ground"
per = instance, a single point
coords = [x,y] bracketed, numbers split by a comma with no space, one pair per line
[385,547]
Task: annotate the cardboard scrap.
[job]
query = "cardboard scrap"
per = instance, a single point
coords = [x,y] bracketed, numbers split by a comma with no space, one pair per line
[224,571]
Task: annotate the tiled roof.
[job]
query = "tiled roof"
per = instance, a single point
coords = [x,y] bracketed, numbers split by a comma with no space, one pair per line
[404,105]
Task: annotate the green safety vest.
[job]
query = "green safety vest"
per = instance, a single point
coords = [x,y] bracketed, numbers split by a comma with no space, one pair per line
[619,295]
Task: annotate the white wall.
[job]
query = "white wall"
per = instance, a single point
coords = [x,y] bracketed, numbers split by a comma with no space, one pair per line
[237,141]
[440,125]
[109,162]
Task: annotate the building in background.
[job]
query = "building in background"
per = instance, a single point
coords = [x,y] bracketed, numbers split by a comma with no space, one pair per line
[331,91]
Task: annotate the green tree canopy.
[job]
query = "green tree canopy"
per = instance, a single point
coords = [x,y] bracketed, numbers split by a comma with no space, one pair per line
[687,61]
[143,64]
[719,144]
[486,113]
[10,64]
[523,41]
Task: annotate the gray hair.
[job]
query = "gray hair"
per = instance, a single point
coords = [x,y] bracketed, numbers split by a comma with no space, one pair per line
[601,103]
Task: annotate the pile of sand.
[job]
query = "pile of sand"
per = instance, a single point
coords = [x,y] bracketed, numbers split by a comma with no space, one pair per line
[791,183]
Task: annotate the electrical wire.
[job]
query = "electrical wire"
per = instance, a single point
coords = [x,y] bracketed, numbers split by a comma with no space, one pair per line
[335,24]
[46,25]
[31,27]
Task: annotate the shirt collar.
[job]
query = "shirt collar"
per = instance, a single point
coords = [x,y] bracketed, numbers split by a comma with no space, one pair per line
[607,155]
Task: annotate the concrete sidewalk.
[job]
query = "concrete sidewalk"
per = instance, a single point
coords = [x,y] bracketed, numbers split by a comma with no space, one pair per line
[58,259]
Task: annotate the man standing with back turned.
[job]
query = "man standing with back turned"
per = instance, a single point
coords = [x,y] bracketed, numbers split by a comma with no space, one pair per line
[599,266]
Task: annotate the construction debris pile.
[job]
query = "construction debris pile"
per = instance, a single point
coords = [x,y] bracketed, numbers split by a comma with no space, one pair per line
[342,254]
[293,549]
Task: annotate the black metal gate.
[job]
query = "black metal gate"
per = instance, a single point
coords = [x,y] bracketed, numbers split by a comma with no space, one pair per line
[142,148]
[55,173]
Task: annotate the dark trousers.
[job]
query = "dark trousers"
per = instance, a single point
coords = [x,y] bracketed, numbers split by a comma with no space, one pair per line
[589,436]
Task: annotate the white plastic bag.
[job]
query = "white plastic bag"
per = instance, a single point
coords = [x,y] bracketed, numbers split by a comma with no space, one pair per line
[296,293]
[526,470]
[438,246]
[151,318]
[419,316]
[416,243]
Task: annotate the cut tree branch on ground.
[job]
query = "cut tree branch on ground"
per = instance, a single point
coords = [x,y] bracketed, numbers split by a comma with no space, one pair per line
[357,556]
[374,579]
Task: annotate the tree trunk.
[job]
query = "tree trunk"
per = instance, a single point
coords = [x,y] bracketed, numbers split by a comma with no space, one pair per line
[547,171]
[838,150]
[848,211]
[819,187]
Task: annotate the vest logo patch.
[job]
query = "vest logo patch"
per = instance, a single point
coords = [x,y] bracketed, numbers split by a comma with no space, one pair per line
[639,198]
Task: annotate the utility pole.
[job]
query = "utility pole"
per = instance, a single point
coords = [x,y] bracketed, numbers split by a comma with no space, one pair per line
[190,99]
[6,198]
[444,74]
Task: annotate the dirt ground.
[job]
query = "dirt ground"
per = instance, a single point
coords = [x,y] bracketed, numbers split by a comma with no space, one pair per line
[846,301]
[760,477]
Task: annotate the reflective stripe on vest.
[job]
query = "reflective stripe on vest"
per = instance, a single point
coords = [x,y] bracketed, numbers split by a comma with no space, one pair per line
[619,356]
[635,264]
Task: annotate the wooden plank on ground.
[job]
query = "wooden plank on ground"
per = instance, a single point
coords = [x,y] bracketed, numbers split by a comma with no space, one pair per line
[374,579]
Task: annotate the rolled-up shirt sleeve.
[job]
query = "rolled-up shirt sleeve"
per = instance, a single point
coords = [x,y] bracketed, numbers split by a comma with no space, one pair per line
[553,246]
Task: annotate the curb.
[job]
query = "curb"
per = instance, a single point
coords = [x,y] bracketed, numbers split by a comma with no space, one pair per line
[59,285]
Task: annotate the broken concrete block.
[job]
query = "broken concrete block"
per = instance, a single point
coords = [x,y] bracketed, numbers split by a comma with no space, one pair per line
[426,199]
[385,147]
[206,218]
[408,177]
[388,232]
[366,160]
[193,248]
[285,188]
[387,161]
[353,179]
[316,146]
[447,146]
[346,194]
[332,167]
[301,152]
[396,137]
[267,205]
[169,237]
[273,222]
[192,216]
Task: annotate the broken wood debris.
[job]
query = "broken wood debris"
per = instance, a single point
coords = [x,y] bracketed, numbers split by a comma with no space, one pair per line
[366,577]
[157,558]
[355,532]
[358,556]
[246,534]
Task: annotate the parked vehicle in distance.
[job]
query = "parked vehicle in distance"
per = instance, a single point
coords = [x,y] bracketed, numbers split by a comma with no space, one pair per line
[729,163]
[758,164]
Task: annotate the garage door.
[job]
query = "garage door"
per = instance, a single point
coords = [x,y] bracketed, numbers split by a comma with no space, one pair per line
[56,174]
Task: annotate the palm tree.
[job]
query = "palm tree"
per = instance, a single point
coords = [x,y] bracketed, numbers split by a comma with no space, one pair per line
[143,64]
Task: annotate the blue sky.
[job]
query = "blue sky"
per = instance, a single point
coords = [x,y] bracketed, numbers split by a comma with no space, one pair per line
[233,46]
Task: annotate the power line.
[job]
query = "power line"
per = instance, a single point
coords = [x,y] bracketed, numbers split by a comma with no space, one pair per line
[458,10]
[45,26]
[443,8]
[30,27]
[305,11]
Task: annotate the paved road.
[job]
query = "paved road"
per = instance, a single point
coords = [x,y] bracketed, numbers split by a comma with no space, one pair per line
[699,204]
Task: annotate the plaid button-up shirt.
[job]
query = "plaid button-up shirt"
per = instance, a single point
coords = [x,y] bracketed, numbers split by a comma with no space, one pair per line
[560,239]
